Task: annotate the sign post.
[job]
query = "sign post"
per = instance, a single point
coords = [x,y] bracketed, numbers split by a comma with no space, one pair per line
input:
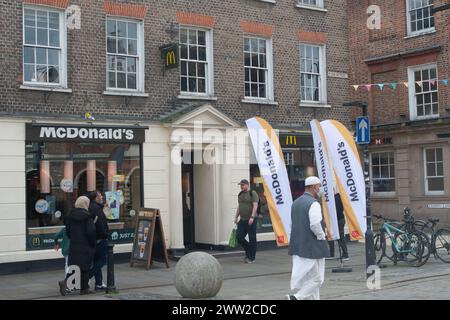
[363,138]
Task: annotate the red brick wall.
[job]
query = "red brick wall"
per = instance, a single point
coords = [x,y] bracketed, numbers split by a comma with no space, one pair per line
[87,59]
[389,106]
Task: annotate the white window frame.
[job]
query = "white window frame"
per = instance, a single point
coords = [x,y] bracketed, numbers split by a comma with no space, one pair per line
[140,71]
[408,21]
[209,83]
[323,75]
[319,4]
[289,158]
[63,43]
[269,63]
[412,91]
[382,193]
[427,192]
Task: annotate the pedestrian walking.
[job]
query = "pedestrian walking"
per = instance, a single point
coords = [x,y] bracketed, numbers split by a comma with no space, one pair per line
[64,246]
[307,246]
[341,223]
[102,235]
[80,230]
[245,220]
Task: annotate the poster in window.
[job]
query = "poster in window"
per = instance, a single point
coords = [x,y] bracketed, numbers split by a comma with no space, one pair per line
[112,209]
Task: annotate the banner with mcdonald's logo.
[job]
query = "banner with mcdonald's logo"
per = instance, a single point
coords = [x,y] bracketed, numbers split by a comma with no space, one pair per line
[325,174]
[275,178]
[349,175]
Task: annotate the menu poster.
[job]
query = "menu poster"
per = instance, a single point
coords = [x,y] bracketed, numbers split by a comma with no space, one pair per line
[140,251]
[112,208]
[149,243]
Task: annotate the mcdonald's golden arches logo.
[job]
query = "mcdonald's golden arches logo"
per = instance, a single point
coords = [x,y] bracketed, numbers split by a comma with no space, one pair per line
[170,58]
[291,140]
[169,53]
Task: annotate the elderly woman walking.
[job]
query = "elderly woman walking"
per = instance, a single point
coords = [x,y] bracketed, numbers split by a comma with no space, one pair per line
[80,229]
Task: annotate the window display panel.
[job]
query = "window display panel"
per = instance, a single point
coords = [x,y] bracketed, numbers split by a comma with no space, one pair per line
[57,173]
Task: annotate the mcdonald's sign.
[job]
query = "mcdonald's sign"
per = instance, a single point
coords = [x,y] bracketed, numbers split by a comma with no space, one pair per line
[169,54]
[292,140]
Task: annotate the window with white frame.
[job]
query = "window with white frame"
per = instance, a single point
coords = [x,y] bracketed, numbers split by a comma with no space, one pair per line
[420,19]
[196,76]
[312,73]
[311,3]
[423,91]
[434,171]
[125,62]
[258,68]
[383,171]
[288,158]
[44,47]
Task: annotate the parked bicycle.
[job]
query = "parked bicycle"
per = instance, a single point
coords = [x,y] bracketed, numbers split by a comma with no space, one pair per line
[439,238]
[401,242]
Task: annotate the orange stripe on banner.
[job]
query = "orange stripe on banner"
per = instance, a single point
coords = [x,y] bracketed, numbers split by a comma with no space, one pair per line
[326,216]
[271,134]
[347,136]
[352,220]
[275,218]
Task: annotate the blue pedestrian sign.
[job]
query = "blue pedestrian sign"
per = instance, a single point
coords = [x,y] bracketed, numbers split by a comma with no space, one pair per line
[363,128]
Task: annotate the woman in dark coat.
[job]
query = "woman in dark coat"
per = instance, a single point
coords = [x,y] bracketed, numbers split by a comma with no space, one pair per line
[81,232]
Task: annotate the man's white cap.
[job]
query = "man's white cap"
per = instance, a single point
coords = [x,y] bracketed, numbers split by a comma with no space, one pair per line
[310,181]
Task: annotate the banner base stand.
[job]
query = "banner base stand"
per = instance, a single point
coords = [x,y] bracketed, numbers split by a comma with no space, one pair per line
[341,268]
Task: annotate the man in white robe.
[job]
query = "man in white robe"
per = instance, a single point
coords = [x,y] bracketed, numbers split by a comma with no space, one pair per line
[307,246]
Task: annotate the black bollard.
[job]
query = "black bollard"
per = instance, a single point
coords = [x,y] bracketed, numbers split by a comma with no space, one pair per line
[110,287]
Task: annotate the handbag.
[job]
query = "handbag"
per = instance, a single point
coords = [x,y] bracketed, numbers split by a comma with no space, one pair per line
[233,239]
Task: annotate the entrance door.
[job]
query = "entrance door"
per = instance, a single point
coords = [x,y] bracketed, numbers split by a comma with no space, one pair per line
[188,204]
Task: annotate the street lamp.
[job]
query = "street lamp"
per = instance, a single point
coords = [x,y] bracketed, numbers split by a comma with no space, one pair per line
[370,247]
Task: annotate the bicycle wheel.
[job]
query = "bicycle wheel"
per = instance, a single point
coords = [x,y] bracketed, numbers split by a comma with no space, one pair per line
[388,247]
[424,227]
[442,245]
[379,244]
[413,248]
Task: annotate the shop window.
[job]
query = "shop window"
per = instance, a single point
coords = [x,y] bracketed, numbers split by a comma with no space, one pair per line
[383,172]
[434,171]
[58,173]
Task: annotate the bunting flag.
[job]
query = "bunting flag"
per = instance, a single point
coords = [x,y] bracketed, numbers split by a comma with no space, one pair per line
[394,85]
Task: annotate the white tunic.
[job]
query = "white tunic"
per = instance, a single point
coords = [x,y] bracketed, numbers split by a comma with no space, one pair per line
[308,274]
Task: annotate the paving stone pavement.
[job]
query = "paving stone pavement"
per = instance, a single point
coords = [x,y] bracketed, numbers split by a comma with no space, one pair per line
[267,279]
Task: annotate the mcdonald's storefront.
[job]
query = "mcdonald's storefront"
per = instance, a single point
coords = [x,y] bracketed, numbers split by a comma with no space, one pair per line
[298,152]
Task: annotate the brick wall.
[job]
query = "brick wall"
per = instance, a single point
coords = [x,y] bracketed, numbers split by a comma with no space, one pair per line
[392,106]
[87,59]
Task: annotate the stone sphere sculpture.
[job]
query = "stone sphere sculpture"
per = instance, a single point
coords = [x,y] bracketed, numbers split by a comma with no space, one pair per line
[198,275]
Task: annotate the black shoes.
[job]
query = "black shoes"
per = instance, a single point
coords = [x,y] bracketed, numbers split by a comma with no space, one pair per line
[291,297]
[62,287]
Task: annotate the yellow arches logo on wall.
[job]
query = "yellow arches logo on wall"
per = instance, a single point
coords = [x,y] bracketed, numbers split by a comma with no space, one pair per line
[291,140]
[169,53]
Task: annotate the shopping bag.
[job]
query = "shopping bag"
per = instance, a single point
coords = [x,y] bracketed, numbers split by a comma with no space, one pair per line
[233,240]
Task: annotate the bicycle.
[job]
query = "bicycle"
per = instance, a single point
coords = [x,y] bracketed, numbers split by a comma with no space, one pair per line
[401,243]
[439,239]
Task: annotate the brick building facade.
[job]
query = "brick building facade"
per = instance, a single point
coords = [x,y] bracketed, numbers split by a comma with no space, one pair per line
[406,62]
[83,64]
